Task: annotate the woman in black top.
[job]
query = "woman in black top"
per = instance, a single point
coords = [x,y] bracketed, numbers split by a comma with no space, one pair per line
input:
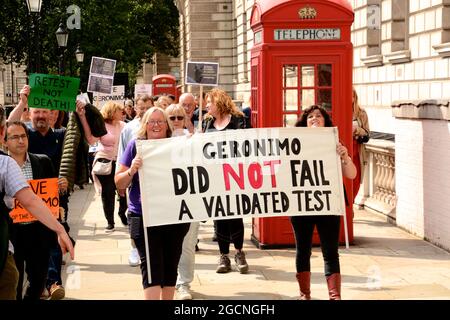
[224,115]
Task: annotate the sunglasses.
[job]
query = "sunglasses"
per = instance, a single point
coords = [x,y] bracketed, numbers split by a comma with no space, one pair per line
[179,118]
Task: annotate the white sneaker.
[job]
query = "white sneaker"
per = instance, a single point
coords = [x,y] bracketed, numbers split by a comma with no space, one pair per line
[184,293]
[133,259]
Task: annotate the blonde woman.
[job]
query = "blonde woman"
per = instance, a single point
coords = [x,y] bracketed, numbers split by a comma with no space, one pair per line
[360,136]
[178,119]
[108,144]
[164,242]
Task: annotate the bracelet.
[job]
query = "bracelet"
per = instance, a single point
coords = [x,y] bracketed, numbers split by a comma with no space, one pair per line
[128,172]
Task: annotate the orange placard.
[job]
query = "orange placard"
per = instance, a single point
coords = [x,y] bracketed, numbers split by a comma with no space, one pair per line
[47,189]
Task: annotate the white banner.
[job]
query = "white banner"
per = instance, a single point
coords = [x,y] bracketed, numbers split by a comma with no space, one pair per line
[262,172]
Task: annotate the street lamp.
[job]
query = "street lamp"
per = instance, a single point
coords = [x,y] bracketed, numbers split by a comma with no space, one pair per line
[62,36]
[34,8]
[79,55]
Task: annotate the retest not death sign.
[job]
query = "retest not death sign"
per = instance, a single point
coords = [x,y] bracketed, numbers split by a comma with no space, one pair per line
[53,92]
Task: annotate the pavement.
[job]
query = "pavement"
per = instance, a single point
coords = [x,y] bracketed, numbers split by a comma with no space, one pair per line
[384,263]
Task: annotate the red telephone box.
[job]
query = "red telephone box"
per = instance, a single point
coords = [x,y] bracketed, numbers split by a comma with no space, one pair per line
[302,55]
[165,84]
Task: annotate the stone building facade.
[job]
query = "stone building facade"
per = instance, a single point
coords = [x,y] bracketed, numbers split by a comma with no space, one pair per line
[402,74]
[401,50]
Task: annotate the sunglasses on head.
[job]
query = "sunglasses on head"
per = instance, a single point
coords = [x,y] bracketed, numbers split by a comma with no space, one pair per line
[179,118]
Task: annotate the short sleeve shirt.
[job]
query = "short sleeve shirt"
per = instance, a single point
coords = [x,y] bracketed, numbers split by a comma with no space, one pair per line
[11,177]
[134,201]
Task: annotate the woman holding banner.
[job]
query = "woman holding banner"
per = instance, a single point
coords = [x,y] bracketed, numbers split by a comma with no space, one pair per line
[165,242]
[224,115]
[327,226]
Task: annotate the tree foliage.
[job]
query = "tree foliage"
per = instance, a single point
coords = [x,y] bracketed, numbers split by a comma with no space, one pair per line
[129,31]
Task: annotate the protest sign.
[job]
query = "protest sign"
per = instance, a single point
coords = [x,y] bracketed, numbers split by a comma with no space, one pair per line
[47,190]
[202,73]
[117,95]
[262,172]
[53,92]
[101,75]
[140,89]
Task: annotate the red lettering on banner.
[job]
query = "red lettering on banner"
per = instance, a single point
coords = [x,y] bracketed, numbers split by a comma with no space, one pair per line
[228,170]
[256,181]
[272,164]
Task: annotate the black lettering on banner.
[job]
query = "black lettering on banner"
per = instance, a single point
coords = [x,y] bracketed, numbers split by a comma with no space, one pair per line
[294,172]
[205,153]
[304,200]
[191,179]
[53,93]
[246,204]
[322,174]
[315,178]
[229,212]
[308,200]
[181,183]
[255,204]
[208,205]
[306,174]
[179,186]
[203,179]
[219,207]
[238,205]
[221,150]
[184,210]
[247,148]
[235,149]
[265,197]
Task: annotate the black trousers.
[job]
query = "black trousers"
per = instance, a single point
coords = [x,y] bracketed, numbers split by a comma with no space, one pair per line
[109,195]
[165,244]
[328,228]
[31,254]
[231,230]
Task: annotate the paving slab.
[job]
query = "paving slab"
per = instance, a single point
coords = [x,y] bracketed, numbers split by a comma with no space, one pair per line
[385,263]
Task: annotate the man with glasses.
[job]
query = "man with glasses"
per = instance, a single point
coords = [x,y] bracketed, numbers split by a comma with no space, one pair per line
[187,101]
[32,239]
[14,185]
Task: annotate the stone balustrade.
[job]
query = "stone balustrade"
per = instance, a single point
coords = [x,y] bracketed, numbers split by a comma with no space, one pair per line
[378,187]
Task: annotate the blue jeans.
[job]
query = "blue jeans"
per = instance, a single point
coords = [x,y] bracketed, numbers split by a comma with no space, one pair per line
[54,265]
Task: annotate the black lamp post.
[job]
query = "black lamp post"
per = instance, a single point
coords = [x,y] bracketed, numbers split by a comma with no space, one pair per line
[34,9]
[62,36]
